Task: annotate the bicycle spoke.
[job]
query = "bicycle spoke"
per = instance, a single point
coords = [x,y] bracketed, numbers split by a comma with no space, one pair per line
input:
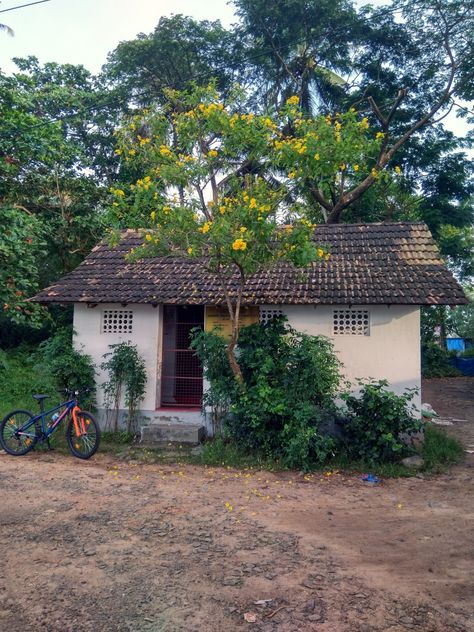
[18,434]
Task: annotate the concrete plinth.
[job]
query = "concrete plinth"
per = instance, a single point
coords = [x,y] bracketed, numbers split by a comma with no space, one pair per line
[159,433]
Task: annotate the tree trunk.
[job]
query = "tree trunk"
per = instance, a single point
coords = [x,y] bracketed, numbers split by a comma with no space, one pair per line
[234,365]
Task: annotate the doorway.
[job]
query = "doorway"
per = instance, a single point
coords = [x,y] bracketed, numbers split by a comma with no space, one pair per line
[181,374]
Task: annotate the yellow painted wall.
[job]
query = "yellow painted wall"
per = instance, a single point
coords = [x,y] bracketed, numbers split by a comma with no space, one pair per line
[218,317]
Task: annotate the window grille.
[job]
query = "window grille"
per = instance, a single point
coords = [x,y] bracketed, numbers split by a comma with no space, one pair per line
[352,322]
[117,321]
[267,313]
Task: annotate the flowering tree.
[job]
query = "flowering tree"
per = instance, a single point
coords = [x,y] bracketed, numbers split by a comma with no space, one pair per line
[221,185]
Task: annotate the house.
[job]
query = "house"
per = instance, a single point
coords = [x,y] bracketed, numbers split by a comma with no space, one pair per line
[366,298]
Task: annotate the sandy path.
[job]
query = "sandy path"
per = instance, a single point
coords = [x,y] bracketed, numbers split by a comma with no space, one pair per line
[107,545]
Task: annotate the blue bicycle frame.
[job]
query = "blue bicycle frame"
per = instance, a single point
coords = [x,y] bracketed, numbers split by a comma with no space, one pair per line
[47,429]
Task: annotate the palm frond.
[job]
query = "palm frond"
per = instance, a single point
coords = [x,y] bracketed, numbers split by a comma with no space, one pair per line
[7,29]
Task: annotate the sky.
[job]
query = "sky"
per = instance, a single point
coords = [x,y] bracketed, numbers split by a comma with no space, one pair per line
[85,31]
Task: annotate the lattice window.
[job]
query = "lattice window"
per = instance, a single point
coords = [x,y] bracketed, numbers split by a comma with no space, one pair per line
[117,321]
[352,322]
[267,313]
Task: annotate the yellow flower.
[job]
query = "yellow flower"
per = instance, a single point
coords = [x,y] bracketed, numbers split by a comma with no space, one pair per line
[205,228]
[327,257]
[292,175]
[356,167]
[165,151]
[379,135]
[243,229]
[398,170]
[132,152]
[253,203]
[320,253]
[374,173]
[166,210]
[119,192]
[239,244]
[212,153]
[342,166]
[222,210]
[190,251]
[118,152]
[148,237]
[316,156]
[364,123]
[294,100]
[153,215]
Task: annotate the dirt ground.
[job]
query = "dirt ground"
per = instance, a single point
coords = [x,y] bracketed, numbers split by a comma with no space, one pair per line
[111,545]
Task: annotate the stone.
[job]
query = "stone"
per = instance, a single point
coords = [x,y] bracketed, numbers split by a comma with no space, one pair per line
[414,462]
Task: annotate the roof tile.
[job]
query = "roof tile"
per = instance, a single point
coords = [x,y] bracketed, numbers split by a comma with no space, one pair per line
[369,264]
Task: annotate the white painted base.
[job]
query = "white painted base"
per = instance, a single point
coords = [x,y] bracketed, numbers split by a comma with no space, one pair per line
[150,417]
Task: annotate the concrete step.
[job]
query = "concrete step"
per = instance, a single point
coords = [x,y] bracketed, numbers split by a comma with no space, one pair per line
[159,433]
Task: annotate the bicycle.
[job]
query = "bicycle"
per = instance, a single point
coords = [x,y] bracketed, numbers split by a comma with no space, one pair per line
[20,430]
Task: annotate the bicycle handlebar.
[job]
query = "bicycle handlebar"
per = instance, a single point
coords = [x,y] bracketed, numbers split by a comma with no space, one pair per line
[74,392]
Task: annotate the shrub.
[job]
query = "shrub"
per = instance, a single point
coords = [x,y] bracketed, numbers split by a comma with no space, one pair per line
[290,378]
[435,362]
[127,374]
[377,421]
[69,367]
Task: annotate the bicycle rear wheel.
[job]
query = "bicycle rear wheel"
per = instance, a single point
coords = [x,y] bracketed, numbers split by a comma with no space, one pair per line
[17,434]
[84,444]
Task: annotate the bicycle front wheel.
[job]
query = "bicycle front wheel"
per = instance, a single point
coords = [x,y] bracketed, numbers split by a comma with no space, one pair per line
[18,433]
[84,439]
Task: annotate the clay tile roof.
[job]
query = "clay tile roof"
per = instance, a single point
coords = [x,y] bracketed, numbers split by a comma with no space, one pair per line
[369,264]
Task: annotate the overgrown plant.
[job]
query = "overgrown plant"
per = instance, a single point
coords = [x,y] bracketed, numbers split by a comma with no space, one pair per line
[127,376]
[379,422]
[69,367]
[435,361]
[290,380]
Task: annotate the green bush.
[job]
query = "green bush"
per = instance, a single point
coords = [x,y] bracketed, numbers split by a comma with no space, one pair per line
[290,379]
[127,374]
[21,375]
[377,421]
[69,368]
[435,362]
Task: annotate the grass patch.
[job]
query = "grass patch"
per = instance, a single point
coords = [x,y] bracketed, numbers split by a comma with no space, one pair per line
[439,450]
[220,453]
[383,470]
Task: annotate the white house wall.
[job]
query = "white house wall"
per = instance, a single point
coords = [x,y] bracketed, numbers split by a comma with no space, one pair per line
[391,351]
[145,335]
